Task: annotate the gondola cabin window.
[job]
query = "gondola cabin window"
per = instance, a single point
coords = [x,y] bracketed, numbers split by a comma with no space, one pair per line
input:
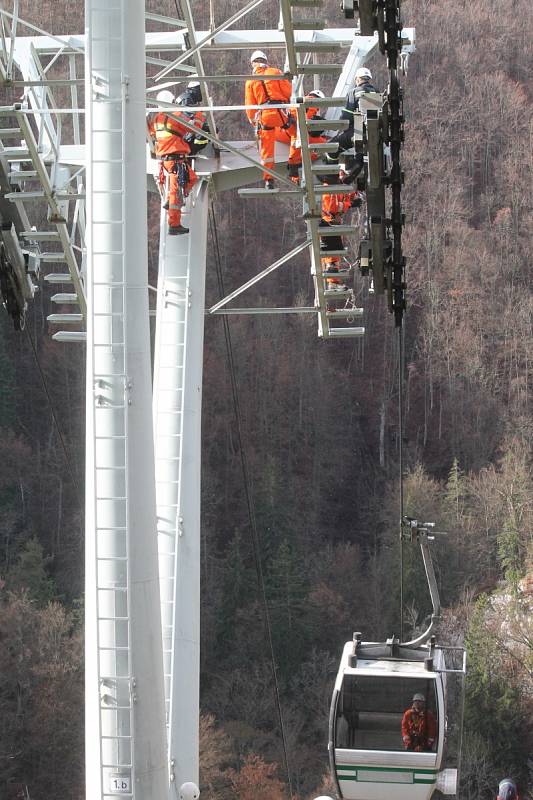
[371,709]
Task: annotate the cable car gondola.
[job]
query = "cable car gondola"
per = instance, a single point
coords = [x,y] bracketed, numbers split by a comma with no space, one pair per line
[371,758]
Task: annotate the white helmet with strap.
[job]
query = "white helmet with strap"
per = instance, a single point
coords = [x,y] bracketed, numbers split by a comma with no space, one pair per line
[363,72]
[317,93]
[258,55]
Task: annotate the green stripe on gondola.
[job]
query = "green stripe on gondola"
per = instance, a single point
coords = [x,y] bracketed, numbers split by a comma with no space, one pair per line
[350,773]
[387,769]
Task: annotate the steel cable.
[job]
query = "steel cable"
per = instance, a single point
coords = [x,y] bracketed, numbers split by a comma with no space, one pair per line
[55,420]
[249,498]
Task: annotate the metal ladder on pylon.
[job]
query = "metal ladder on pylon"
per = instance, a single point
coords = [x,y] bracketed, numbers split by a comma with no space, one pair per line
[30,240]
[169,367]
[107,307]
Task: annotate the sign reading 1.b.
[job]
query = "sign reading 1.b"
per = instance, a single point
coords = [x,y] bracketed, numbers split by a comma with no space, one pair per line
[119,784]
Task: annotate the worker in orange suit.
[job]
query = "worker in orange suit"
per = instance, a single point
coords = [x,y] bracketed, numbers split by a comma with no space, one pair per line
[269,123]
[419,727]
[315,137]
[334,206]
[170,141]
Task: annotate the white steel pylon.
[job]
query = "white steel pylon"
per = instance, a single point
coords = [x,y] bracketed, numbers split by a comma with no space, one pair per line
[124,703]
[178,362]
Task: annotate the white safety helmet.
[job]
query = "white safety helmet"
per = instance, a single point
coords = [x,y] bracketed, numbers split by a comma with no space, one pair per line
[363,72]
[258,55]
[192,84]
[189,791]
[317,93]
[420,697]
[165,96]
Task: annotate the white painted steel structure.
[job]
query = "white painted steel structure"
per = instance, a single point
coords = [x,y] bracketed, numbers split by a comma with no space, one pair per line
[177,428]
[95,195]
[124,700]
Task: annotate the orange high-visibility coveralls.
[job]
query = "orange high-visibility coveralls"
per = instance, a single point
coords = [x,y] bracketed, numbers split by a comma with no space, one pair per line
[167,133]
[333,207]
[271,124]
[419,730]
[295,152]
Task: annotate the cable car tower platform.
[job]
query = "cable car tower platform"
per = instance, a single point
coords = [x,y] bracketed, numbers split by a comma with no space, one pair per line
[73,172]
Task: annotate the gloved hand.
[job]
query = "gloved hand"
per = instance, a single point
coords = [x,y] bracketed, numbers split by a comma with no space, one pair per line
[189,137]
[290,120]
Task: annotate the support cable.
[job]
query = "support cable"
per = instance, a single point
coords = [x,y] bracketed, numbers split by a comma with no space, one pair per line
[249,500]
[401,358]
[56,421]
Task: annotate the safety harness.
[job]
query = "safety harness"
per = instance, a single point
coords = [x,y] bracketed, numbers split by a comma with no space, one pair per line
[287,116]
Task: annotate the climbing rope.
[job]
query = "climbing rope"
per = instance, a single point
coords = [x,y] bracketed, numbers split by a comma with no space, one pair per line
[401,359]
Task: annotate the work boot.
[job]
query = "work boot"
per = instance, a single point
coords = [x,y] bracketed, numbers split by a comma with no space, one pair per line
[269,183]
[294,175]
[177,230]
[166,205]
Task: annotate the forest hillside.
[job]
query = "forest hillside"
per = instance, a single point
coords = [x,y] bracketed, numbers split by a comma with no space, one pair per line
[319,428]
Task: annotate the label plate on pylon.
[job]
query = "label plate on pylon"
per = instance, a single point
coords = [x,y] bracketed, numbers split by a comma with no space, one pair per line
[120,783]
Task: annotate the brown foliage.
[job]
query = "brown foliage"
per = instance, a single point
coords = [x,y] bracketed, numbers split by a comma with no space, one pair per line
[41,698]
[257,780]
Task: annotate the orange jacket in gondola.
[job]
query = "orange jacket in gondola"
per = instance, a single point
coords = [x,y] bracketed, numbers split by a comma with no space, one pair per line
[419,730]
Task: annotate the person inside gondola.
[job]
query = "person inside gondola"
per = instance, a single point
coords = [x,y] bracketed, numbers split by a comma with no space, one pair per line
[419,726]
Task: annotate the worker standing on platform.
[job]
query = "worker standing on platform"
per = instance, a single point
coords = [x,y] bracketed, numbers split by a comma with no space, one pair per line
[344,139]
[170,143]
[192,96]
[269,123]
[315,137]
[334,206]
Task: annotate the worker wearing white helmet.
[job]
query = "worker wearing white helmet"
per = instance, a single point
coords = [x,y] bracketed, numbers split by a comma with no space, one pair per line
[419,726]
[363,78]
[315,137]
[170,142]
[362,74]
[192,96]
[164,97]
[259,56]
[270,124]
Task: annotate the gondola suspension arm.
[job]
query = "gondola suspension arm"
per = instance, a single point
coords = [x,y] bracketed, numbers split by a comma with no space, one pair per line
[413,530]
